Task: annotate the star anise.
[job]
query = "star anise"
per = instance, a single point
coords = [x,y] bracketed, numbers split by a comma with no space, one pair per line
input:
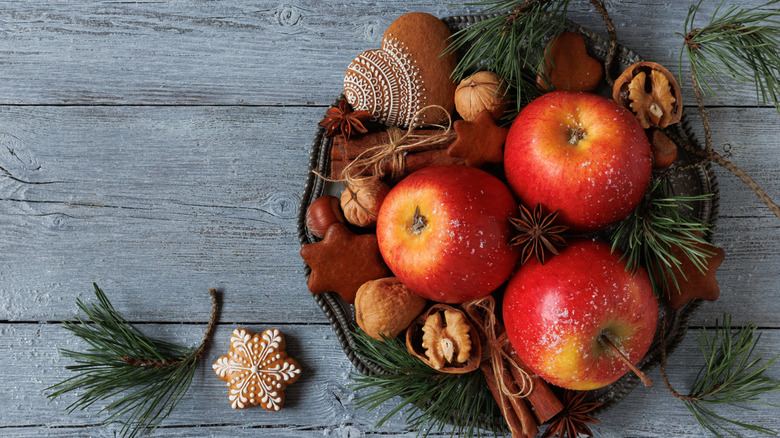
[571,421]
[342,120]
[537,233]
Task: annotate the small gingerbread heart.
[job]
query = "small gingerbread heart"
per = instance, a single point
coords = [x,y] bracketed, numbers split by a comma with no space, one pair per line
[407,74]
[568,67]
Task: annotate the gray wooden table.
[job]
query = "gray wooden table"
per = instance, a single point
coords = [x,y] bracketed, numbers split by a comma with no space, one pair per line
[160,149]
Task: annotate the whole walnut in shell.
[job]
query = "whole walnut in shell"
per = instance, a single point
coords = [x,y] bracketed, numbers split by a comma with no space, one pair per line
[386,306]
[481,91]
[360,201]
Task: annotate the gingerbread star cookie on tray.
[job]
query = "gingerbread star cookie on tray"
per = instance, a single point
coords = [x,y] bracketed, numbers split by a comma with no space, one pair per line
[257,369]
[694,284]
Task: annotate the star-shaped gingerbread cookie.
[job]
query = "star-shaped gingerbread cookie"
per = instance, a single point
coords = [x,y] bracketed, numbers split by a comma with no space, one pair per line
[343,261]
[694,284]
[257,369]
[479,141]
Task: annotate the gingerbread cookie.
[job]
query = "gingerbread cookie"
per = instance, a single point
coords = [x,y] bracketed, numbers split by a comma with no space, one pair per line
[343,261]
[480,141]
[257,369]
[407,74]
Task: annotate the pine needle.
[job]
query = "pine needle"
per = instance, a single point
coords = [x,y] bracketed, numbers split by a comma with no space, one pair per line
[647,237]
[742,45]
[431,399]
[140,379]
[732,375]
[509,42]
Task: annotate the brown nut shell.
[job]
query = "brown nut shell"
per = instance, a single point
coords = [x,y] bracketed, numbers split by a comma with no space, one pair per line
[481,91]
[386,307]
[414,342]
[361,201]
[663,148]
[322,213]
[651,92]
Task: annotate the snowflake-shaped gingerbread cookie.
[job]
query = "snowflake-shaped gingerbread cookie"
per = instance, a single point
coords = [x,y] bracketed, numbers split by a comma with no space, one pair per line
[257,369]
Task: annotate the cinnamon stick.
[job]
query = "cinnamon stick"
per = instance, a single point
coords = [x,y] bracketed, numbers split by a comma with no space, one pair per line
[507,405]
[356,145]
[412,162]
[544,401]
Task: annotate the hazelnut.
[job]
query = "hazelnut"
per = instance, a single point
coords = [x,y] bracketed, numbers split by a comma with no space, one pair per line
[361,201]
[663,148]
[322,213]
[481,91]
[386,307]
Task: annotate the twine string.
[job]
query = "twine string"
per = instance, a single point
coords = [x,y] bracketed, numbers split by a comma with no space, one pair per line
[482,313]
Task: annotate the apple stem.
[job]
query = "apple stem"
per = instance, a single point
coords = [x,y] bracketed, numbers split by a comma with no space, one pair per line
[642,376]
[577,134]
[418,221]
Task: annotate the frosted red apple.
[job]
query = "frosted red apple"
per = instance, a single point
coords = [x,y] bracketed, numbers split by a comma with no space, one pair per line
[557,313]
[579,153]
[443,231]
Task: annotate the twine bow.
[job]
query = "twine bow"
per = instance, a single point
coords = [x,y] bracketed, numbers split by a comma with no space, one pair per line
[482,314]
[388,158]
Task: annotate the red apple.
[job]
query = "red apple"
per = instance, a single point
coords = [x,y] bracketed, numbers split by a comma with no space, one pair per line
[579,153]
[558,314]
[443,231]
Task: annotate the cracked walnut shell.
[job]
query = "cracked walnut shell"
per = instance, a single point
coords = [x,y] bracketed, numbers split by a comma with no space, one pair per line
[445,340]
[650,91]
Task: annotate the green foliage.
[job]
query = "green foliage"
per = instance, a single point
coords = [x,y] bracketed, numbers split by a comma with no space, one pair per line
[433,399]
[510,42]
[647,237]
[732,375]
[110,370]
[737,44]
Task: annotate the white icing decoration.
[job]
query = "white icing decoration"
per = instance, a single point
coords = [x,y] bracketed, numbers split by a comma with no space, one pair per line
[386,83]
[261,368]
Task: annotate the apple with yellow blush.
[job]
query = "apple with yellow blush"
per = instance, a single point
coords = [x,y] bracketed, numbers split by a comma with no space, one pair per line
[571,319]
[444,232]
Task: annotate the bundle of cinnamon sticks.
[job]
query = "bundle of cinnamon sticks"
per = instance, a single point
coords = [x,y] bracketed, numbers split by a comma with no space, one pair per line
[524,409]
[413,151]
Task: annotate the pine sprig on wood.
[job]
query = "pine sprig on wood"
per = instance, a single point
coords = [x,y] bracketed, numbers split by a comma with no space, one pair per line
[510,42]
[742,45]
[732,375]
[659,223]
[140,379]
[433,400]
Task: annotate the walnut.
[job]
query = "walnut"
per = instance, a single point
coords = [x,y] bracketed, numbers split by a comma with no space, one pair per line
[386,307]
[651,93]
[479,92]
[361,201]
[444,339]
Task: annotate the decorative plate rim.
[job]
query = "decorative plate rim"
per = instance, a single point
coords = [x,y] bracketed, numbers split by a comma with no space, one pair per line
[341,315]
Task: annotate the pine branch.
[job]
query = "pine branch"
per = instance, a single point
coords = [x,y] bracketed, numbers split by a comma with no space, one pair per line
[141,379]
[737,44]
[432,399]
[660,223]
[510,42]
[732,374]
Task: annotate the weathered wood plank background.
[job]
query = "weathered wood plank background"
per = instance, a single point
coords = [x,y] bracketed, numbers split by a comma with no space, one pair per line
[160,148]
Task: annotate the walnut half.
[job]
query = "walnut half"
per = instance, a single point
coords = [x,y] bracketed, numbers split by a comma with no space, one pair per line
[444,339]
[650,91]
